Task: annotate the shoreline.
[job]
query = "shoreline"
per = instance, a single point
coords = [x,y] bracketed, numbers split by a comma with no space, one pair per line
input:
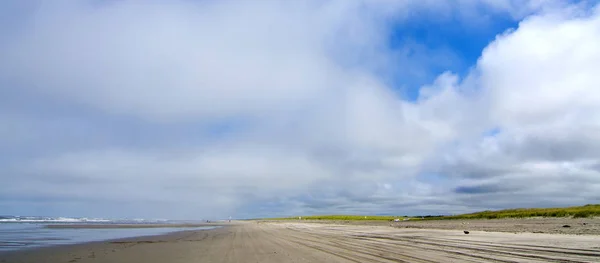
[170,229]
[107,226]
[43,251]
[287,241]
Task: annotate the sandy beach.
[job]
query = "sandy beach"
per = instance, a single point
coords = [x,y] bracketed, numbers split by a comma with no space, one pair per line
[550,225]
[257,241]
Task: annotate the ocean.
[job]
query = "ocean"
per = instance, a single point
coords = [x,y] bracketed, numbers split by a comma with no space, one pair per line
[29,232]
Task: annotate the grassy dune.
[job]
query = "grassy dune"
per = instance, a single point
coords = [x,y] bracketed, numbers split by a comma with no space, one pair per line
[575,212]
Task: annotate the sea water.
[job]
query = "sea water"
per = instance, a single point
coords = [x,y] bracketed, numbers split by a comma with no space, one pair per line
[21,233]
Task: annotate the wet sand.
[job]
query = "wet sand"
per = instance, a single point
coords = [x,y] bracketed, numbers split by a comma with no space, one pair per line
[104,226]
[274,242]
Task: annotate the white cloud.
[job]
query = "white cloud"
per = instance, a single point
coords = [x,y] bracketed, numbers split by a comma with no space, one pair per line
[176,61]
[554,82]
[206,59]
[541,85]
[324,133]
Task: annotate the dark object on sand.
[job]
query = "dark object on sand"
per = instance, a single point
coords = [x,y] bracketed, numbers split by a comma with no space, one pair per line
[566,226]
[466,232]
[584,224]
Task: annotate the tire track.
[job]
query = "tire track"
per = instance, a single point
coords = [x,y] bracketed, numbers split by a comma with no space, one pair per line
[548,255]
[323,248]
[415,255]
[314,243]
[281,238]
[462,250]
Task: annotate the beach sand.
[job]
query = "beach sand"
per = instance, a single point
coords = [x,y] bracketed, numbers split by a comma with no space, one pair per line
[275,242]
[576,226]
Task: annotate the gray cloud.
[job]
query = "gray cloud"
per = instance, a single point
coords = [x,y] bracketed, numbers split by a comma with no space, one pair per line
[211,109]
[479,189]
[559,145]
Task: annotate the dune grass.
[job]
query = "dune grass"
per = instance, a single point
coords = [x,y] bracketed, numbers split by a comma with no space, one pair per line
[575,212]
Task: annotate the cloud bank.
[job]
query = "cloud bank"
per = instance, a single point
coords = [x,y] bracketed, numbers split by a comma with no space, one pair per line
[215,108]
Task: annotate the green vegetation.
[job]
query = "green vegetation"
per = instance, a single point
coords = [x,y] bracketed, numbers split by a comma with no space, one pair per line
[575,212]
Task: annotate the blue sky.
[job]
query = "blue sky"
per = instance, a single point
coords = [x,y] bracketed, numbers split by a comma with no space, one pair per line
[454,36]
[211,109]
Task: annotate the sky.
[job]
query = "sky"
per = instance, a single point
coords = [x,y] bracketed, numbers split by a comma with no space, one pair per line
[202,109]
